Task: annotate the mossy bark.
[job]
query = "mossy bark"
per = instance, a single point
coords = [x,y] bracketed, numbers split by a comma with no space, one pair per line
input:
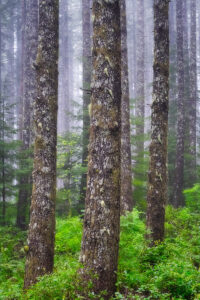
[29,95]
[86,18]
[99,252]
[126,202]
[157,185]
[179,163]
[42,221]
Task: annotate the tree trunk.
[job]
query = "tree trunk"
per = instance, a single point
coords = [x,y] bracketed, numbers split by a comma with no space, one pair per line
[172,101]
[139,98]
[193,95]
[29,95]
[102,212]
[179,163]
[42,221]
[86,17]
[64,67]
[157,187]
[126,201]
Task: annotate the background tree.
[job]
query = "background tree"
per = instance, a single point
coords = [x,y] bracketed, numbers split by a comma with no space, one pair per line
[157,186]
[179,163]
[193,95]
[29,96]
[126,171]
[100,241]
[86,17]
[42,222]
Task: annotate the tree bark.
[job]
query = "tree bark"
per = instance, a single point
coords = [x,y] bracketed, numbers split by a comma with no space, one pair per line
[86,17]
[99,253]
[157,185]
[193,95]
[29,95]
[139,97]
[42,221]
[126,201]
[179,163]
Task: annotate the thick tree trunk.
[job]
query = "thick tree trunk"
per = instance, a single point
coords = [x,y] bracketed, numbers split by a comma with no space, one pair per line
[193,94]
[86,17]
[126,202]
[100,241]
[42,222]
[179,163]
[29,95]
[157,187]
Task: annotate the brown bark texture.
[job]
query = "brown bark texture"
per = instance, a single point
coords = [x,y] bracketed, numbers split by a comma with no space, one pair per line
[29,95]
[126,201]
[157,185]
[86,17]
[99,253]
[179,163]
[42,222]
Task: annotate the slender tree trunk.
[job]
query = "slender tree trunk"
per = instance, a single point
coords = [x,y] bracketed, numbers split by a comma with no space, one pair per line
[29,95]
[42,222]
[3,165]
[193,94]
[172,101]
[157,187]
[126,202]
[139,96]
[86,17]
[187,94]
[64,69]
[100,241]
[179,163]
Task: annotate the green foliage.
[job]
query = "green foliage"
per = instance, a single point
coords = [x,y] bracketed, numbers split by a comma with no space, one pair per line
[192,198]
[141,160]
[12,258]
[169,270]
[8,158]
[69,170]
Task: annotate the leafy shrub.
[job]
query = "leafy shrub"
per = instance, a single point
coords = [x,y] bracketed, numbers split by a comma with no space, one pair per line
[192,198]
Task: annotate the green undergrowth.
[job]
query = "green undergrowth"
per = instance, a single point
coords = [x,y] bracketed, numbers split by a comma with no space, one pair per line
[168,271]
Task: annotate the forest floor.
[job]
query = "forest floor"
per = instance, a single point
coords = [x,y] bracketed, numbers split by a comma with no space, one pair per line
[168,271]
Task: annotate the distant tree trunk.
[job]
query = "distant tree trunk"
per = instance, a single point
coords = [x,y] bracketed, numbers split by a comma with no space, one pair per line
[102,212]
[21,67]
[126,202]
[29,95]
[139,96]
[64,69]
[86,17]
[187,94]
[179,163]
[157,187]
[172,101]
[193,94]
[42,221]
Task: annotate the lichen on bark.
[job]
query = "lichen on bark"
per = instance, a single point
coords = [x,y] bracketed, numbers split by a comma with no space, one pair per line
[42,219]
[99,252]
